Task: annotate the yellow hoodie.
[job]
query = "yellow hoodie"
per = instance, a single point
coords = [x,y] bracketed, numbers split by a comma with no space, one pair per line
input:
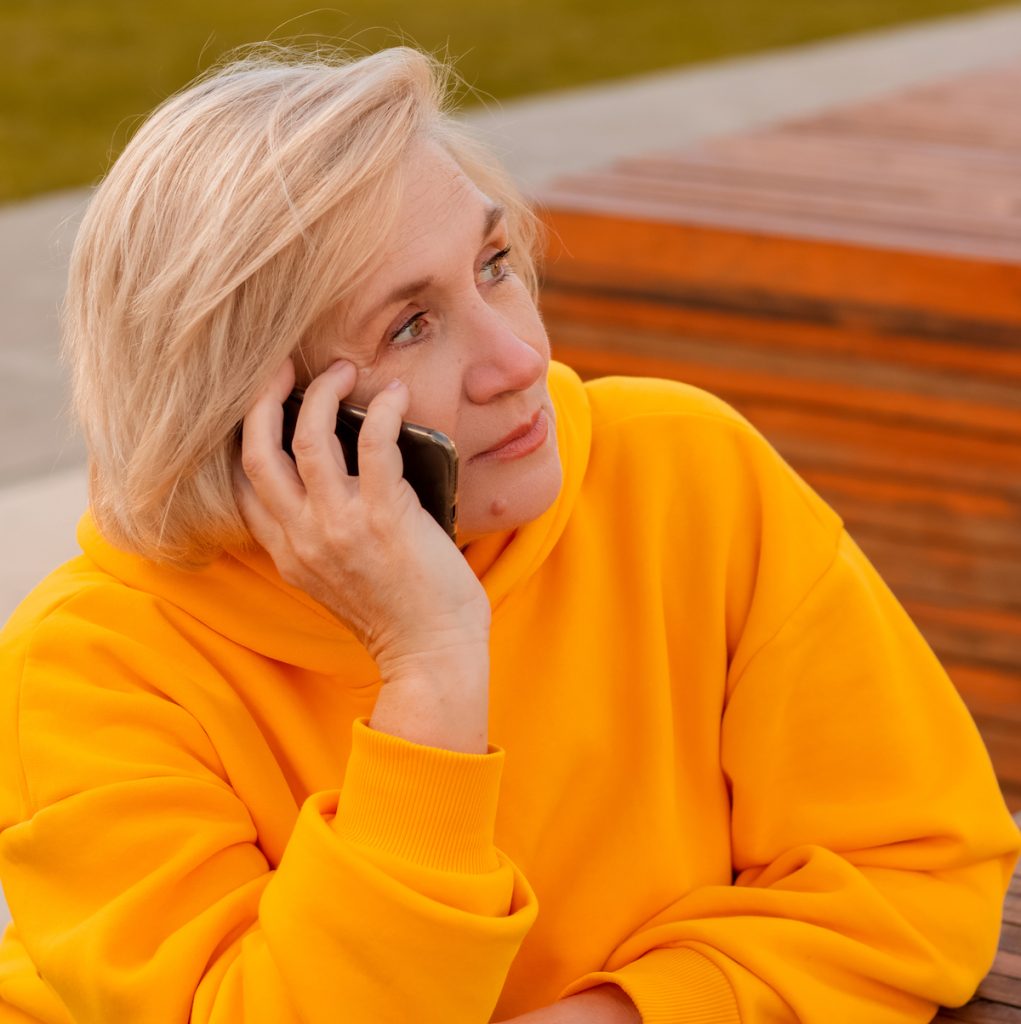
[726,773]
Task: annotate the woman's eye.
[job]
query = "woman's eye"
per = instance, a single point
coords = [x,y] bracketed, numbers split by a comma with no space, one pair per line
[497,267]
[413,330]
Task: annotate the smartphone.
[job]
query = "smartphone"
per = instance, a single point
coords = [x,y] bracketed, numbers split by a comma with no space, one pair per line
[430,459]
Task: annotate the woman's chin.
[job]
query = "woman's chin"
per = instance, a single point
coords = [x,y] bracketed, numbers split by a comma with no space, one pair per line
[494,502]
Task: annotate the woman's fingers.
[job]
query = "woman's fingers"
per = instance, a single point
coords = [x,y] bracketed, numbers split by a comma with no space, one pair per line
[380,465]
[275,492]
[361,547]
[262,526]
[317,450]
[264,462]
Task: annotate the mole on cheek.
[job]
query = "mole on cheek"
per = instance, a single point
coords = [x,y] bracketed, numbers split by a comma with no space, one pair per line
[498,507]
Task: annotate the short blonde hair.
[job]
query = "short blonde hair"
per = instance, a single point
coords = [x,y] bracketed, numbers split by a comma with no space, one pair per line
[241,213]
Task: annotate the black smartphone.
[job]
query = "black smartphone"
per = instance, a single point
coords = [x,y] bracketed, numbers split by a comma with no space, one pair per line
[430,459]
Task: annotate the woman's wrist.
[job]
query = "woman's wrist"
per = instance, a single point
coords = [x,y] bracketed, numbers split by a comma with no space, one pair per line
[439,699]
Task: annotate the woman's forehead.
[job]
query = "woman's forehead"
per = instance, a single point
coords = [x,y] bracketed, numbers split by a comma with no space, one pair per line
[438,199]
[442,220]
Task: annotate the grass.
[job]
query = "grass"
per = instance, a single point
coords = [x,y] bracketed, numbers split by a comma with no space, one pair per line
[80,74]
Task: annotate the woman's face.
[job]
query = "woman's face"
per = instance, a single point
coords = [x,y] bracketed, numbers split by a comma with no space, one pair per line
[445,313]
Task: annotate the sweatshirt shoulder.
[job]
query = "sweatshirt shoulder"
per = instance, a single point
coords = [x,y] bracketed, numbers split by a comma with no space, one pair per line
[87,654]
[78,587]
[693,445]
[619,399]
[39,620]
[80,618]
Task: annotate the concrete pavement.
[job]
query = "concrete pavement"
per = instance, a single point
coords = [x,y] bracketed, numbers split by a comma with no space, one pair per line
[42,480]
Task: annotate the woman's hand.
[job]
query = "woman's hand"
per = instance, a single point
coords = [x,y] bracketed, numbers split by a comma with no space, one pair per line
[365,549]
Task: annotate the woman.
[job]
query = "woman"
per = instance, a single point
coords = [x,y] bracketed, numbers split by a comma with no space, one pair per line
[652,741]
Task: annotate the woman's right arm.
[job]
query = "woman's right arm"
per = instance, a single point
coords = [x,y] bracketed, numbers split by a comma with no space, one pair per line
[141,888]
[366,550]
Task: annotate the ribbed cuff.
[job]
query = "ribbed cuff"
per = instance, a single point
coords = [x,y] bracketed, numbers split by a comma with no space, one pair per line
[670,986]
[427,805]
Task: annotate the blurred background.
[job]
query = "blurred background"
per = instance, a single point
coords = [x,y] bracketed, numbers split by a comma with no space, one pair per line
[79,74]
[829,191]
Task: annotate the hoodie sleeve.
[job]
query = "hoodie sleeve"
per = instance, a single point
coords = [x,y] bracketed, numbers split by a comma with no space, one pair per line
[870,845]
[140,892]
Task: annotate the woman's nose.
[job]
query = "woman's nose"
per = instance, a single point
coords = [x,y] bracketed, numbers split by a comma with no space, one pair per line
[498,360]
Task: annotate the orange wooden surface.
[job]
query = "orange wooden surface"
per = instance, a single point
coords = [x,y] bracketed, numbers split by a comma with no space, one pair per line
[610,238]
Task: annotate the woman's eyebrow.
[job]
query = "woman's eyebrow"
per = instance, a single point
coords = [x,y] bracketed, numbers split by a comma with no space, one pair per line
[494,214]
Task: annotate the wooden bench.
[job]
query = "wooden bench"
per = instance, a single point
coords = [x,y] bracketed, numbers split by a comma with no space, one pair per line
[852,284]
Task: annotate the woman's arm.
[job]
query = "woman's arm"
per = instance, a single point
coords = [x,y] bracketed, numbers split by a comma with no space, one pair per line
[145,883]
[606,1004]
[871,847]
[146,889]
[364,548]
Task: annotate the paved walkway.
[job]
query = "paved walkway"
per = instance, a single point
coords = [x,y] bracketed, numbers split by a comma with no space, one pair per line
[42,480]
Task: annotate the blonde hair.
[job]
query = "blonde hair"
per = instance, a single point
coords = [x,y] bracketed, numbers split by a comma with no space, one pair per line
[237,218]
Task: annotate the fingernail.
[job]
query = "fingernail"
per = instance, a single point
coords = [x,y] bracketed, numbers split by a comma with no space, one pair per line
[340,364]
[393,385]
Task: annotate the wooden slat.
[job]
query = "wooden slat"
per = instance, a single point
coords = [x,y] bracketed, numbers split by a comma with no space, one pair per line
[982,405]
[989,693]
[608,241]
[981,637]
[837,329]
[911,447]
[933,218]
[982,1011]
[937,515]
[832,155]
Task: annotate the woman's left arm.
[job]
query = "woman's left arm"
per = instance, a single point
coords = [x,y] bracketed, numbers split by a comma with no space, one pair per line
[871,847]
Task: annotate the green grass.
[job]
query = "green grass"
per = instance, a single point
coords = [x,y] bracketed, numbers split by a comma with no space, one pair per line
[79,75]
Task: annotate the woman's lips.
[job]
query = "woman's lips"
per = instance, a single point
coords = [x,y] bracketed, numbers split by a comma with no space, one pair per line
[519,444]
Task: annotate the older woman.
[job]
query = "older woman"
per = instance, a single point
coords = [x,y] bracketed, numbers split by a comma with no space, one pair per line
[651,741]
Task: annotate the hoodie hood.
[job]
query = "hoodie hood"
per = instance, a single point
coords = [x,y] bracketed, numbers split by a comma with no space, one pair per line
[242,597]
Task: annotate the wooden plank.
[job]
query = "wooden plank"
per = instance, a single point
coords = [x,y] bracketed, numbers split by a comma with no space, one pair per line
[1012,908]
[998,989]
[839,330]
[985,639]
[977,405]
[911,121]
[1010,942]
[834,155]
[1011,792]
[943,219]
[729,226]
[884,287]
[988,692]
[982,1011]
[831,182]
[936,515]
[945,576]
[813,437]
[927,527]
